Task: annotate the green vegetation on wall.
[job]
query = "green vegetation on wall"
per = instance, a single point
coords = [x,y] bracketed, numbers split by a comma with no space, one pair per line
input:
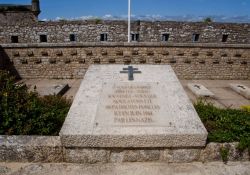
[26,113]
[207,20]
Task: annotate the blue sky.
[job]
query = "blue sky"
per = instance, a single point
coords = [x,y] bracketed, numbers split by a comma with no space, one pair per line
[183,9]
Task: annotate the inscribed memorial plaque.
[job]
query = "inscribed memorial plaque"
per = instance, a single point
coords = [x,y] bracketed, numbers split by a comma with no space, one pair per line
[131,104]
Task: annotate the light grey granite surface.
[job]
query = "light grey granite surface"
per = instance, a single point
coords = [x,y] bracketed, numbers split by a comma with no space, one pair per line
[151,111]
[241,89]
[199,90]
[57,89]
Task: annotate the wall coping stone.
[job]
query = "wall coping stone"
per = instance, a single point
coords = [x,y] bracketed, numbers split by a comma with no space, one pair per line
[115,22]
[14,140]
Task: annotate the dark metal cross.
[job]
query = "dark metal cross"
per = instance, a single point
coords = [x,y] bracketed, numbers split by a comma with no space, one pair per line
[242,87]
[130,70]
[197,86]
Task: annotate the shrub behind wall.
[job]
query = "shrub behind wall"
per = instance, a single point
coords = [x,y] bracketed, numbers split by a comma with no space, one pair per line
[26,113]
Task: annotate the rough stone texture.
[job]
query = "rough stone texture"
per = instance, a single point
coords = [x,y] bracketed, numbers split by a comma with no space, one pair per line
[4,169]
[175,124]
[78,155]
[235,154]
[181,155]
[241,89]
[195,168]
[14,18]
[211,152]
[200,90]
[116,156]
[16,57]
[147,155]
[141,155]
[49,149]
[30,149]
[89,31]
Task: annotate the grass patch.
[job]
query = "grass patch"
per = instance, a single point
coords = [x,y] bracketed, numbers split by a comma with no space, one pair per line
[26,113]
[225,125]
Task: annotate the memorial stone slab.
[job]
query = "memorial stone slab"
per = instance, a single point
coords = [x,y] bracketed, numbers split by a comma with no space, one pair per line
[241,89]
[199,90]
[58,89]
[152,110]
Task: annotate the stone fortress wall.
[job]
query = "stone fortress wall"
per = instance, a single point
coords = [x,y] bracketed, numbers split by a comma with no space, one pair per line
[189,61]
[12,18]
[90,31]
[65,49]
[14,14]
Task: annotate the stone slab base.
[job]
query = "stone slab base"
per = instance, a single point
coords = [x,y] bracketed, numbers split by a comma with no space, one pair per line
[49,149]
[212,152]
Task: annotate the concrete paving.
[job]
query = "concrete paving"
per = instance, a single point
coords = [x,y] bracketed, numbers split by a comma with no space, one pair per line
[224,96]
[195,168]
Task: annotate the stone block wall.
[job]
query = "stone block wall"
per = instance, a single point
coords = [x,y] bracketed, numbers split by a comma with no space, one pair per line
[13,18]
[89,31]
[182,32]
[189,61]
[49,149]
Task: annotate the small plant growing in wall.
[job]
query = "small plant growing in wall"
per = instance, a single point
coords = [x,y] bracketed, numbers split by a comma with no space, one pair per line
[224,152]
[98,20]
[208,20]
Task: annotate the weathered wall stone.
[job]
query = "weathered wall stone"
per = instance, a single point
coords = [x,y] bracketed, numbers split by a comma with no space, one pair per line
[79,155]
[72,60]
[90,31]
[16,18]
[50,149]
[141,155]
[180,155]
[30,149]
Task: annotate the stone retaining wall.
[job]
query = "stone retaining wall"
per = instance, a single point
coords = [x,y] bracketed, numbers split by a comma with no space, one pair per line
[189,61]
[49,149]
[30,149]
